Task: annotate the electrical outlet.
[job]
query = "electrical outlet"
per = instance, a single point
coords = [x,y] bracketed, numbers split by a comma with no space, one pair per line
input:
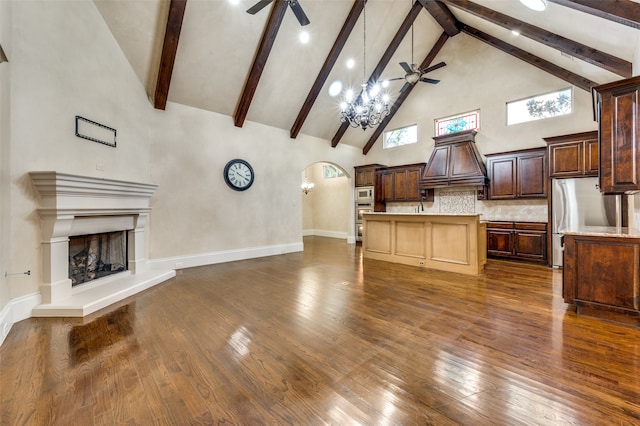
[421,262]
[99,166]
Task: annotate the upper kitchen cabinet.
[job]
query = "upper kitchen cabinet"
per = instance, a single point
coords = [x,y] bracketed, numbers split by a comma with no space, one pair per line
[402,183]
[366,175]
[618,115]
[518,174]
[574,155]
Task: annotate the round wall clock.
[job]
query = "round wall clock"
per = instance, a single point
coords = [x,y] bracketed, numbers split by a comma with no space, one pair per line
[238,174]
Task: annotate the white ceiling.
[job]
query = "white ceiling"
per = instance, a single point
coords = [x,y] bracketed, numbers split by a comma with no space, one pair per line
[218,42]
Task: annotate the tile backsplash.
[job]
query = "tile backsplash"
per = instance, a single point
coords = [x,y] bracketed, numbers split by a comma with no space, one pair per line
[462,200]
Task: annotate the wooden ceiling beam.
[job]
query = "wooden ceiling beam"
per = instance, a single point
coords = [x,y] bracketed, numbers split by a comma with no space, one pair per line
[570,47]
[264,49]
[624,12]
[168,54]
[442,15]
[566,75]
[332,57]
[384,61]
[396,105]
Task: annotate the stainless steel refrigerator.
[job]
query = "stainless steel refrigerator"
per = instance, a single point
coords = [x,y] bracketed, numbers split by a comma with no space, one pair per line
[576,203]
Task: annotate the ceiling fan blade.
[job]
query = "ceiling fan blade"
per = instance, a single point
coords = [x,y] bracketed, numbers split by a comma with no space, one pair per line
[297,10]
[404,87]
[397,78]
[405,66]
[258,7]
[433,67]
[429,80]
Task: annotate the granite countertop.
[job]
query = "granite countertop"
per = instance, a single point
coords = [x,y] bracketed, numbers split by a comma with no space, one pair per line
[424,214]
[605,231]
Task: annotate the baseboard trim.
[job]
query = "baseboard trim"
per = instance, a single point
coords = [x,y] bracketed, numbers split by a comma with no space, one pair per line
[16,310]
[326,233]
[190,261]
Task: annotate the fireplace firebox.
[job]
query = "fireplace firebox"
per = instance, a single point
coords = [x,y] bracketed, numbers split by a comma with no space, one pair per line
[97,255]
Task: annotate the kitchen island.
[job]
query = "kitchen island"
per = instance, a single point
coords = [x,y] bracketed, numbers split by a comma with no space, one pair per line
[454,243]
[601,273]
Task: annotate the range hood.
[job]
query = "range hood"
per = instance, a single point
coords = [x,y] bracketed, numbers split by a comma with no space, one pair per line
[455,161]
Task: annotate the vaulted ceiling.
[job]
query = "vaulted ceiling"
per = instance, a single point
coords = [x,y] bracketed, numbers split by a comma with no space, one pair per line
[212,55]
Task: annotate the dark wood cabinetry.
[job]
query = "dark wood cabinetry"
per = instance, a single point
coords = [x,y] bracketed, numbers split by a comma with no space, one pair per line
[574,155]
[455,160]
[402,183]
[518,174]
[517,240]
[618,114]
[366,175]
[600,276]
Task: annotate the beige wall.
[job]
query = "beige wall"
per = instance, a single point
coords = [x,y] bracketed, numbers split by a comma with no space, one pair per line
[58,72]
[327,209]
[195,213]
[5,122]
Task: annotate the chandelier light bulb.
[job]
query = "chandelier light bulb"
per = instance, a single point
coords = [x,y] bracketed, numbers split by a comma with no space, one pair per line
[348,95]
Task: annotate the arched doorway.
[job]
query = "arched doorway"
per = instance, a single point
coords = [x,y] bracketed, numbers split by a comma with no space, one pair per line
[327,209]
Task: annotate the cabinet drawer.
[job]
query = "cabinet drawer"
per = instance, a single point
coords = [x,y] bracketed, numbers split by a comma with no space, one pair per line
[531,226]
[500,225]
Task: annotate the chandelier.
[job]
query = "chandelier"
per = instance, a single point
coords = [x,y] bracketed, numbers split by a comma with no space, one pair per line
[307,186]
[372,106]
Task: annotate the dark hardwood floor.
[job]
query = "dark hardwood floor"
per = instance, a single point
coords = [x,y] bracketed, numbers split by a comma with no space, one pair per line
[321,338]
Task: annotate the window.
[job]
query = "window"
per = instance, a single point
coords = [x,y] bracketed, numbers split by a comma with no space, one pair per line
[329,171]
[541,106]
[402,136]
[457,123]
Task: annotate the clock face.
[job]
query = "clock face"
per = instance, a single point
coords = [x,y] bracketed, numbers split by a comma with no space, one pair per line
[238,174]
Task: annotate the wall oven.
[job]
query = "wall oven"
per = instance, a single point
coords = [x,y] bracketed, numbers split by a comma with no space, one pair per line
[364,198]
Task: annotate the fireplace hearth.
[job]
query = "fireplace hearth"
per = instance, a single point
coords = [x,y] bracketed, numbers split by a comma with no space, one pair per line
[92,228]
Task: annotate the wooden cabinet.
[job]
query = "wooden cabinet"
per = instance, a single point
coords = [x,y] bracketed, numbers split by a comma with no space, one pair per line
[402,183]
[366,175]
[574,155]
[600,276]
[455,160]
[517,240]
[618,114]
[518,174]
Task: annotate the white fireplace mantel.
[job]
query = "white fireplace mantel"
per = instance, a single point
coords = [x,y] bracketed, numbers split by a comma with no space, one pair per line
[77,205]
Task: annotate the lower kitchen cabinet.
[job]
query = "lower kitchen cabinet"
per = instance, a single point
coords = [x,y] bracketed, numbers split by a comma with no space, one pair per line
[517,240]
[600,276]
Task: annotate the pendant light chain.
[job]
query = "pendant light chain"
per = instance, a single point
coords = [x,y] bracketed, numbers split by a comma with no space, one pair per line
[369,109]
[364,40]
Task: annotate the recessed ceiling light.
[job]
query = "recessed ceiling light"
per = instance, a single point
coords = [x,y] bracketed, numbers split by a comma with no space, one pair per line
[335,88]
[304,37]
[537,5]
[234,2]
[515,32]
[351,63]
